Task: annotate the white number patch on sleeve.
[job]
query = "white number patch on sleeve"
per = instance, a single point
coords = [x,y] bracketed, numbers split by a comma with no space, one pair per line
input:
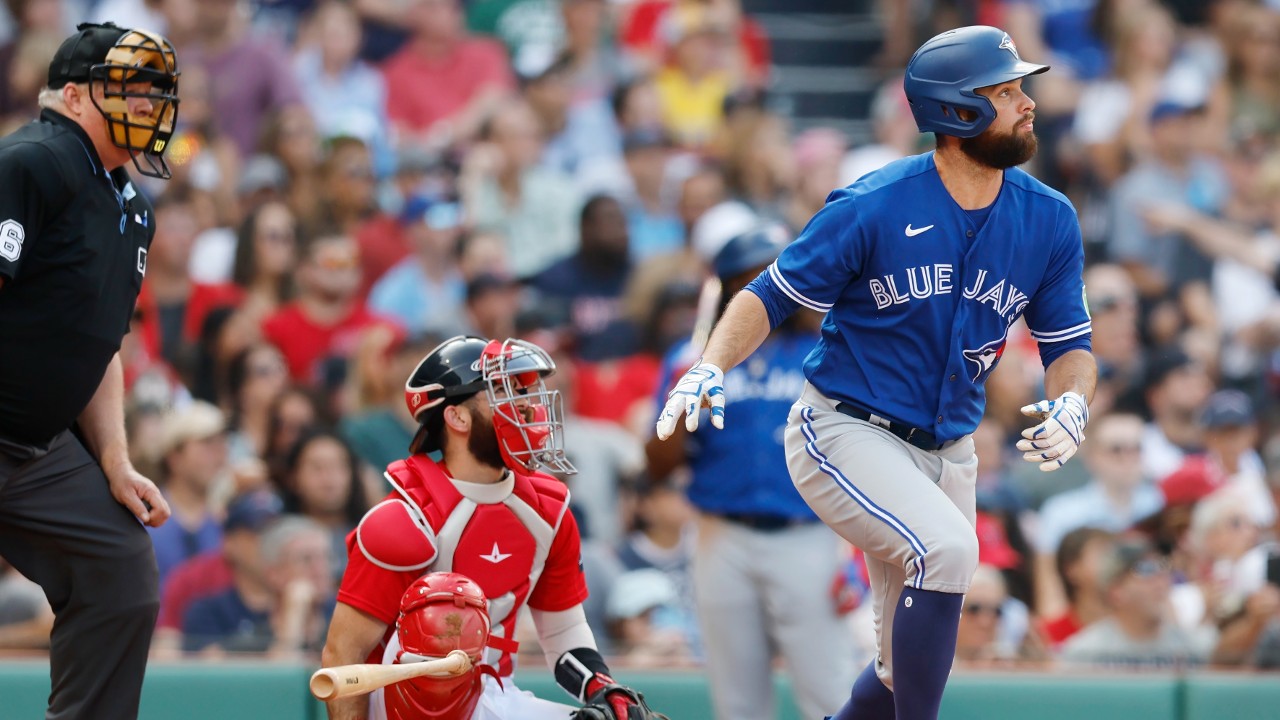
[11,236]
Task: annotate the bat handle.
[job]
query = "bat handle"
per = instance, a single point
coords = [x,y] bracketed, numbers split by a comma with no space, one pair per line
[324,684]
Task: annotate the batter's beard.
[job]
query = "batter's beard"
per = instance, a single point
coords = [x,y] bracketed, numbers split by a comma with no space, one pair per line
[482,443]
[1001,150]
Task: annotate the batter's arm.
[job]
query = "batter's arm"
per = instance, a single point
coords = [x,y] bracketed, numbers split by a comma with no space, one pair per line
[743,328]
[1074,371]
[353,634]
[102,425]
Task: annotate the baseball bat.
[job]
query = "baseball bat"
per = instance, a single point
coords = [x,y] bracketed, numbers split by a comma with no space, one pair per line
[346,680]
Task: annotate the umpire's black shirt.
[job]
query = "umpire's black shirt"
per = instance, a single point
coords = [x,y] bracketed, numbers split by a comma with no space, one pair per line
[73,250]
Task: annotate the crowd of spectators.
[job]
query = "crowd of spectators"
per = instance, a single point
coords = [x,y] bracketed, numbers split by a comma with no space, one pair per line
[354,181]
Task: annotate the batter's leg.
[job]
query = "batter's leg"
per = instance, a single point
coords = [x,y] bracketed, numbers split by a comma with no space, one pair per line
[61,528]
[732,617]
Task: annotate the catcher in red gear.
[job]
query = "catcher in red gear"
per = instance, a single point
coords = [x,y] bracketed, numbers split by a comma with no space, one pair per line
[481,517]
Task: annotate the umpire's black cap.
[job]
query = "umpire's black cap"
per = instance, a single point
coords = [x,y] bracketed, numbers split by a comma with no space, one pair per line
[88,47]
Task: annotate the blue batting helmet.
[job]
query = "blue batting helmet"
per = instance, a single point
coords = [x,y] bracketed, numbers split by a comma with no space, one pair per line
[944,73]
[752,249]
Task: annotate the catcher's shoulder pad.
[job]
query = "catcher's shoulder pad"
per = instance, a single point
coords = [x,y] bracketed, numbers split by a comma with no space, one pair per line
[395,536]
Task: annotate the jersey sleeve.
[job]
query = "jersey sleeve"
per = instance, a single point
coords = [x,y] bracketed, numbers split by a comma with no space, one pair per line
[814,270]
[562,583]
[22,204]
[375,590]
[1057,315]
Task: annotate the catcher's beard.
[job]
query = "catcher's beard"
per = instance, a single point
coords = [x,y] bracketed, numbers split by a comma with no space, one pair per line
[1001,150]
[482,443]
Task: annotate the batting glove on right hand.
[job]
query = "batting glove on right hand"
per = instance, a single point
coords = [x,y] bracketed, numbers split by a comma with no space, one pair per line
[702,386]
[1054,441]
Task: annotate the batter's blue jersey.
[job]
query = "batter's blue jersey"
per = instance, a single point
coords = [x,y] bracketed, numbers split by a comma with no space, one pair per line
[920,294]
[743,468]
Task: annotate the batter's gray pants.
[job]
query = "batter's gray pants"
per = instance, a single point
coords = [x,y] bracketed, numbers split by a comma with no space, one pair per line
[910,511]
[766,593]
[61,528]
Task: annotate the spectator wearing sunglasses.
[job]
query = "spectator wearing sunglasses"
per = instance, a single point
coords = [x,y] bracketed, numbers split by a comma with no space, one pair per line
[1117,495]
[1138,630]
[994,627]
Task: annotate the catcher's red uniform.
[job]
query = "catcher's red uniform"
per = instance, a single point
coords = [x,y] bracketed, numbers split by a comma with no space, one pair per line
[515,538]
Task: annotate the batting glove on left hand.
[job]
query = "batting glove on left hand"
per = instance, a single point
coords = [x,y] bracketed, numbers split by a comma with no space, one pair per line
[702,385]
[1054,441]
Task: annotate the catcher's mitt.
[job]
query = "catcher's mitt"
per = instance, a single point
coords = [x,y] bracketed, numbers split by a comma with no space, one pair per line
[617,702]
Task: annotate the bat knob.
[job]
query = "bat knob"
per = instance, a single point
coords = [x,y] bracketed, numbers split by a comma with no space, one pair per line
[324,684]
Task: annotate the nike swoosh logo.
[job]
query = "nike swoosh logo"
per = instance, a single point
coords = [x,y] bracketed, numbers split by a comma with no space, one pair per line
[912,232]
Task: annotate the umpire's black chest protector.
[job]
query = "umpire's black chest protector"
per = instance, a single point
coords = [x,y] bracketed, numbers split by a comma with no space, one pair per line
[82,236]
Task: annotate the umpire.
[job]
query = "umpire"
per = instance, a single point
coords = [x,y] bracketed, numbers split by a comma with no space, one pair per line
[74,234]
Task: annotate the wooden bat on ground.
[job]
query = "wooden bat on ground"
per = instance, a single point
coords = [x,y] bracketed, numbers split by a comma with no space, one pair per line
[345,680]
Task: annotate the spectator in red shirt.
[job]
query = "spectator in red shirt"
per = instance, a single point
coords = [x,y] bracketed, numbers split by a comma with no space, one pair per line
[641,34]
[1078,558]
[325,320]
[442,83]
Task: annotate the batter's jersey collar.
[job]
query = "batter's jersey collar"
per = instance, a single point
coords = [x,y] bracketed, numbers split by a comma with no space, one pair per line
[91,153]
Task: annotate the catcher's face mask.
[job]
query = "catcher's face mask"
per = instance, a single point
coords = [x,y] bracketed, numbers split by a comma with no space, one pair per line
[143,64]
[527,417]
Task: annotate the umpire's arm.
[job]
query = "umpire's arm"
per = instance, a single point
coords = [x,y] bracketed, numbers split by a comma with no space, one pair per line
[102,425]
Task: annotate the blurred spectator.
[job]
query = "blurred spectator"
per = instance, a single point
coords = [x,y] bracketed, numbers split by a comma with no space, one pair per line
[266,252]
[1113,309]
[38,23]
[653,226]
[321,481]
[279,605]
[532,30]
[293,412]
[173,307]
[993,626]
[1176,388]
[817,155]
[193,456]
[1117,496]
[492,303]
[586,288]
[637,105]
[1167,265]
[346,96]
[210,572]
[347,198]
[694,83]
[290,136]
[1078,564]
[505,190]
[762,557]
[1137,631]
[210,164]
[445,82]
[250,76]
[760,169]
[639,609]
[1230,458]
[1253,59]
[26,620]
[893,129]
[255,378]
[482,253]
[317,330]
[425,292]
[645,34]
[581,139]
[131,13]
[596,65]
[378,426]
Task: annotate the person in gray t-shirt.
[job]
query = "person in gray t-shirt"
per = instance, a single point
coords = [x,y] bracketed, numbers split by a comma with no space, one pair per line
[1138,631]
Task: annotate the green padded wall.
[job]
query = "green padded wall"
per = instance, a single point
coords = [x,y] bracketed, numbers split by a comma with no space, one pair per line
[1231,697]
[1061,697]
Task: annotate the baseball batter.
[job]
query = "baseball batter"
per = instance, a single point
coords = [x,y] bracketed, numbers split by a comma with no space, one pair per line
[921,268]
[482,512]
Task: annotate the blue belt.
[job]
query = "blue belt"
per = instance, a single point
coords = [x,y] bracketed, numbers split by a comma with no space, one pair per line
[922,439]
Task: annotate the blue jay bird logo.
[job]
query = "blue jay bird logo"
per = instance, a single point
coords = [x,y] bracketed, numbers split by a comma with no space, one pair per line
[985,359]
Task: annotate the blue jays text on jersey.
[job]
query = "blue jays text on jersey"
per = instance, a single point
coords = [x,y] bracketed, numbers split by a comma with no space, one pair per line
[920,293]
[743,468]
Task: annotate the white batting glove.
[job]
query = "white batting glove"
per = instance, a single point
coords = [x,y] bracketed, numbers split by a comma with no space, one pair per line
[702,386]
[1054,441]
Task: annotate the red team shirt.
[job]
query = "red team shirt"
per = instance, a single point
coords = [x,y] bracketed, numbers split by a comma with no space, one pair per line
[516,539]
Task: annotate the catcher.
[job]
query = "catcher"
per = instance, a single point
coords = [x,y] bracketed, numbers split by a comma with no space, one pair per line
[486,527]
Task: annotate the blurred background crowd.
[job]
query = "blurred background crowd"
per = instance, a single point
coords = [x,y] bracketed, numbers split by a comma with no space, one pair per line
[355,180]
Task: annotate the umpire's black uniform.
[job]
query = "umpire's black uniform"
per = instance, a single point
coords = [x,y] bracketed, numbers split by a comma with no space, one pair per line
[73,252]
